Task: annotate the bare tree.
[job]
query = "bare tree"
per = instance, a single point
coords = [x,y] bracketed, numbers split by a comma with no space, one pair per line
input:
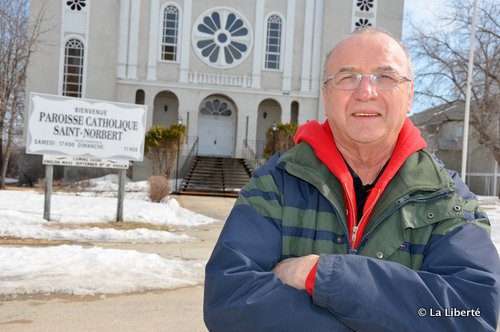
[441,54]
[17,39]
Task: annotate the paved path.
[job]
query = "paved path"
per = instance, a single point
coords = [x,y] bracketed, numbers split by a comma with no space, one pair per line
[169,310]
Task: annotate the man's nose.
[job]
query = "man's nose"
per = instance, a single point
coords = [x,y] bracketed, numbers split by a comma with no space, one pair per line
[366,89]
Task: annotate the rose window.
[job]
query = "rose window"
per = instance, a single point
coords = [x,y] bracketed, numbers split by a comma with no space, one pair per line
[215,107]
[76,4]
[363,23]
[222,38]
[365,5]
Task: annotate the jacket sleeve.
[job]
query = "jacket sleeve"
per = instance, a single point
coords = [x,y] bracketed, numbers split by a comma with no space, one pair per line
[241,292]
[460,272]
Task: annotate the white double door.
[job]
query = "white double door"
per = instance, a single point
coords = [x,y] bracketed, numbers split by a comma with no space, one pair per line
[216,135]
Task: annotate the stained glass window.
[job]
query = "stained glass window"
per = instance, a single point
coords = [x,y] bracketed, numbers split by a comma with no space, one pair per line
[363,23]
[73,68]
[216,107]
[76,4]
[222,38]
[273,42]
[169,41]
[364,5]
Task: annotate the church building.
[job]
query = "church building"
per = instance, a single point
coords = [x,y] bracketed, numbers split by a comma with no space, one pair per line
[227,70]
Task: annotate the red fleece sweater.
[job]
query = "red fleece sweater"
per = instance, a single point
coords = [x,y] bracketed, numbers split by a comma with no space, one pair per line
[320,138]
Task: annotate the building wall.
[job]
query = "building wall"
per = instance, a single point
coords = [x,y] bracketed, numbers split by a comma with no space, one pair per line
[101,45]
[43,69]
[389,16]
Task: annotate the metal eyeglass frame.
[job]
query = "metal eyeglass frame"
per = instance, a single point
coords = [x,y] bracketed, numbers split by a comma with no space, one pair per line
[372,76]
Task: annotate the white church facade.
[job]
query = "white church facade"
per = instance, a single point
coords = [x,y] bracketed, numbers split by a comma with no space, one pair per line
[226,69]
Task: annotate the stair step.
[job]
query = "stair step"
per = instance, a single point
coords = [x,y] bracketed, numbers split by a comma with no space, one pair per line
[216,175]
[216,184]
[210,176]
[210,193]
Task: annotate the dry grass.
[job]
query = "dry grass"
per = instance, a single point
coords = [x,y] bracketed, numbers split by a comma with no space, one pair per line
[57,185]
[158,188]
[15,241]
[126,225]
[119,225]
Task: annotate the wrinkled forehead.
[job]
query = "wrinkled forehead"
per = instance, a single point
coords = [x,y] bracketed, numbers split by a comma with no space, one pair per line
[368,51]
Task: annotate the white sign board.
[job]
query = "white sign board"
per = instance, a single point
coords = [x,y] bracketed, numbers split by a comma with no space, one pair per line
[84,162]
[67,126]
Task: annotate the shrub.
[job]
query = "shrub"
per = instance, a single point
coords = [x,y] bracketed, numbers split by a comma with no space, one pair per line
[162,144]
[282,140]
[30,169]
[158,188]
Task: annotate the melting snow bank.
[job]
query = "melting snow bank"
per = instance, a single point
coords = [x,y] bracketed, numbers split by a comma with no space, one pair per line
[80,209]
[21,216]
[94,234]
[78,271]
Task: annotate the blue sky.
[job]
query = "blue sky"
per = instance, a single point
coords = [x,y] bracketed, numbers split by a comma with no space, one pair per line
[420,12]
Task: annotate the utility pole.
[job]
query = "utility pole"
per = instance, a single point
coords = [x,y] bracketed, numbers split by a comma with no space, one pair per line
[468,93]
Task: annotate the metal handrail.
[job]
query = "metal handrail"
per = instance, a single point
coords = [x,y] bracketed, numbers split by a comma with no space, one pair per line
[251,156]
[189,157]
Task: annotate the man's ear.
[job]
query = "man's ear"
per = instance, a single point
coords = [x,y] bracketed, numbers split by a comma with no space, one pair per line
[325,92]
[411,94]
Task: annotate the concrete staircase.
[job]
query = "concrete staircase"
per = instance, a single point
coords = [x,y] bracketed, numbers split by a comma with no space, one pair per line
[216,176]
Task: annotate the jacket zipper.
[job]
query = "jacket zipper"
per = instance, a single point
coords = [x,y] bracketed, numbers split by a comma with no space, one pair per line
[352,215]
[398,206]
[355,229]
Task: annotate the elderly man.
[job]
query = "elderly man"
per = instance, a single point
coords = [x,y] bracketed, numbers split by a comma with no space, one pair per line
[357,227]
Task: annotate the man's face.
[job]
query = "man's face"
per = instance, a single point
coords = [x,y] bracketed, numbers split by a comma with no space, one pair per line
[367,115]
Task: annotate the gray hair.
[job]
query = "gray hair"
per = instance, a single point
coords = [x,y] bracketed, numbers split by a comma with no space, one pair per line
[369,30]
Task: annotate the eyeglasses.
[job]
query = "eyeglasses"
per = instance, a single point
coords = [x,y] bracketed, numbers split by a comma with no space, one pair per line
[350,80]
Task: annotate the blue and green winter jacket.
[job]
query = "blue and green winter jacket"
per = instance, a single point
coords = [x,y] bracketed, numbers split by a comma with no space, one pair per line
[425,250]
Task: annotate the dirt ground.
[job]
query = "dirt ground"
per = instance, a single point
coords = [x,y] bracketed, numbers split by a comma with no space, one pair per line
[164,310]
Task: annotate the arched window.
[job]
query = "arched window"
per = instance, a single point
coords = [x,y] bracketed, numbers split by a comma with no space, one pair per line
[170,33]
[73,68]
[273,42]
[294,113]
[216,107]
[140,97]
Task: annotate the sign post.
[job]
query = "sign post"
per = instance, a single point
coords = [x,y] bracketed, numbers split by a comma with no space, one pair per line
[121,194]
[86,133]
[49,173]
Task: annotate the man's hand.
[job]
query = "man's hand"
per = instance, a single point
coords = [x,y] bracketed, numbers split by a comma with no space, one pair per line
[294,271]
